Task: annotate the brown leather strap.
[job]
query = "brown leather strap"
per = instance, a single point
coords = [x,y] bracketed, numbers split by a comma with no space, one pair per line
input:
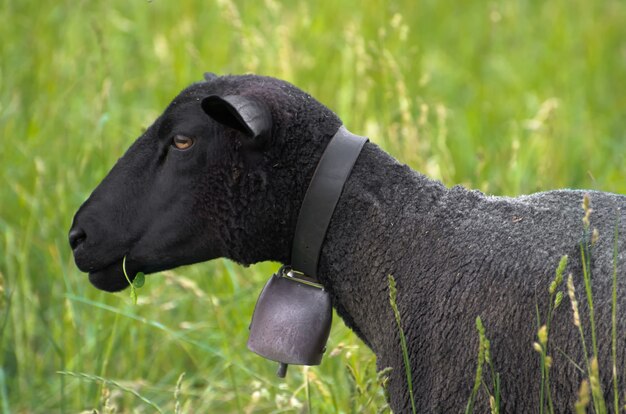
[321,197]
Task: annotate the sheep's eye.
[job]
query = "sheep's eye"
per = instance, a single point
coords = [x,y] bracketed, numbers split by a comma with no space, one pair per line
[182,142]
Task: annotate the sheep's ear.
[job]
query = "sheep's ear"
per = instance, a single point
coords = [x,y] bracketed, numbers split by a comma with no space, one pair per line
[242,113]
[209,76]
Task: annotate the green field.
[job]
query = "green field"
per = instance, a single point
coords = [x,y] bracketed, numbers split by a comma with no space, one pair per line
[508,97]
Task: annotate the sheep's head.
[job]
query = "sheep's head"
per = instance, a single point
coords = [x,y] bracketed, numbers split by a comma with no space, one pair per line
[221,173]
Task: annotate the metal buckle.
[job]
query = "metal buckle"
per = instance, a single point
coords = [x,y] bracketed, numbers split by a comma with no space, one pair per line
[292,274]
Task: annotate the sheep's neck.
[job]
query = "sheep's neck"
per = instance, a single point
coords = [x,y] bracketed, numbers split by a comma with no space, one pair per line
[364,243]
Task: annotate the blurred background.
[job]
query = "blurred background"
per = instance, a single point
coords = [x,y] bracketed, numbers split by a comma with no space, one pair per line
[508,97]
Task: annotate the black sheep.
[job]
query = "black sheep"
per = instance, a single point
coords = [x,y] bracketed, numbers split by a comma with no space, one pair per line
[195,187]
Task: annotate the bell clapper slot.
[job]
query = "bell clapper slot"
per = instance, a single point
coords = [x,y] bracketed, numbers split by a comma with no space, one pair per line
[282,370]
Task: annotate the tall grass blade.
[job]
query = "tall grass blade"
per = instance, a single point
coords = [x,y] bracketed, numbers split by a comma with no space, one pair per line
[479,370]
[405,352]
[585,253]
[116,384]
[586,259]
[4,394]
[614,319]
[571,291]
[179,386]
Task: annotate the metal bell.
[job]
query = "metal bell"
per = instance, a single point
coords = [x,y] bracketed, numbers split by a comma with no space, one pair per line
[291,321]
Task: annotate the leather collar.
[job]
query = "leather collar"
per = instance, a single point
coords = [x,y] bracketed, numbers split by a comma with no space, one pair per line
[320,201]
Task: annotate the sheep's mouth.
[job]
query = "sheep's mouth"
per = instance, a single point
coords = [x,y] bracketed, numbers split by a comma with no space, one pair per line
[111,278]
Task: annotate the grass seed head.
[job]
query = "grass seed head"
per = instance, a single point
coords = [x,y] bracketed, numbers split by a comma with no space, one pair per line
[596,385]
[571,291]
[583,398]
[587,209]
[552,287]
[542,334]
[492,404]
[558,277]
[558,299]
[548,361]
[487,346]
[595,235]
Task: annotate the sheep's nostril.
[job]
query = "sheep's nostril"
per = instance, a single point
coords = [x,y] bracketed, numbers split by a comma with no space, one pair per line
[77,236]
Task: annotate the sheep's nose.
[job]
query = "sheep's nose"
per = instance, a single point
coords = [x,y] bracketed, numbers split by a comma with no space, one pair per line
[77,236]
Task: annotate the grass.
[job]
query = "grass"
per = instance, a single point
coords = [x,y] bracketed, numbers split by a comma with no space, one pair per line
[484,360]
[543,332]
[507,97]
[614,320]
[137,282]
[115,384]
[393,295]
